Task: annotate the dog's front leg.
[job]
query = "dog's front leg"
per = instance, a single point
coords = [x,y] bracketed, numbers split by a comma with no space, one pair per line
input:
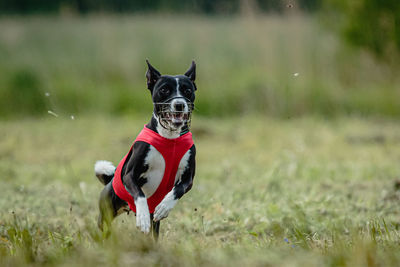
[181,187]
[142,209]
[166,205]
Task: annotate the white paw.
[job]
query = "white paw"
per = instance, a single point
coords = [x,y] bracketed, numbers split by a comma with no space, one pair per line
[162,210]
[142,215]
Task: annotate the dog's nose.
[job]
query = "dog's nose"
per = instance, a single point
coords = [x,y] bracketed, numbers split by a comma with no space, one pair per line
[179,106]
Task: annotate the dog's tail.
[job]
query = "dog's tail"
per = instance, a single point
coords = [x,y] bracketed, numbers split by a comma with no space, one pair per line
[104,170]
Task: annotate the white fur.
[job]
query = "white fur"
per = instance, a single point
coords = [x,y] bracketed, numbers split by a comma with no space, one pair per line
[142,215]
[180,101]
[177,87]
[182,166]
[168,203]
[155,173]
[162,210]
[167,133]
[178,94]
[104,167]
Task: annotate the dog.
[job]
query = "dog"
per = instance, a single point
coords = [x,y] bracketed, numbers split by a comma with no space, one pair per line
[160,166]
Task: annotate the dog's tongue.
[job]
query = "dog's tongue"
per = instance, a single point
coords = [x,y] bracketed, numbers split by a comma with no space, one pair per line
[178,116]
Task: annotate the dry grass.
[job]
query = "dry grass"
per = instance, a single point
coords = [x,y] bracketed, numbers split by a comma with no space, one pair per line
[304,192]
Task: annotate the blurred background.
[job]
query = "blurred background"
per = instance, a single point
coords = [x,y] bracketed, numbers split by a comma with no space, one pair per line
[282,58]
[296,125]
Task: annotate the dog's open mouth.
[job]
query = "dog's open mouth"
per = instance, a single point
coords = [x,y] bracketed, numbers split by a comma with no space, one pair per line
[176,117]
[171,119]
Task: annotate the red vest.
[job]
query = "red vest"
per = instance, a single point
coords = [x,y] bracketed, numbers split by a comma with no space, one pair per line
[172,151]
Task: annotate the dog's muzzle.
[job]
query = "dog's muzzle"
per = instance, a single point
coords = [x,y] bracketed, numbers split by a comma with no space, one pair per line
[174,112]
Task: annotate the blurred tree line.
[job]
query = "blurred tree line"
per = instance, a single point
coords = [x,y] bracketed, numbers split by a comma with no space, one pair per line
[129,6]
[372,24]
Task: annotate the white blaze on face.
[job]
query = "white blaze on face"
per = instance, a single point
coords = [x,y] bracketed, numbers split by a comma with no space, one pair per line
[177,87]
[179,98]
[178,114]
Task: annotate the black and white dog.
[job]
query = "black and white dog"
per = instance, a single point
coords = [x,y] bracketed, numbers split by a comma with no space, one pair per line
[141,172]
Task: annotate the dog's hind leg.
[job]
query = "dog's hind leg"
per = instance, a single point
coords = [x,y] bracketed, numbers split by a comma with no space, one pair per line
[155,228]
[106,214]
[109,206]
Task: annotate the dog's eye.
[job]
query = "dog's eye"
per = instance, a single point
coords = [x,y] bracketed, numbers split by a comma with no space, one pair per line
[164,91]
[188,91]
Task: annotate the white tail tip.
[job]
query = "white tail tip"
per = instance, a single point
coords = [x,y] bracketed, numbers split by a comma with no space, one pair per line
[104,167]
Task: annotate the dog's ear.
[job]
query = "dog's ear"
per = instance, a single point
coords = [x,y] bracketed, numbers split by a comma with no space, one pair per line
[152,76]
[191,72]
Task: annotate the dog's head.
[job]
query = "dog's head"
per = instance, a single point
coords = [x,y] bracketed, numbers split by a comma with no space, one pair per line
[173,96]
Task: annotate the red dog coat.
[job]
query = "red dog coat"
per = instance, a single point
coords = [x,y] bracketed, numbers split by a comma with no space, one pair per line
[172,150]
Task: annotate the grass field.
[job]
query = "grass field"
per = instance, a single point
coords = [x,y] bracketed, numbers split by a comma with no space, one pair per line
[268,192]
[297,135]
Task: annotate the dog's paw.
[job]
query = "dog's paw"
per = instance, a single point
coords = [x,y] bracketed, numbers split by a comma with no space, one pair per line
[142,215]
[162,210]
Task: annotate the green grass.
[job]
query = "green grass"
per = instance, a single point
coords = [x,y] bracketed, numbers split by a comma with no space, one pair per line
[267,192]
[246,65]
